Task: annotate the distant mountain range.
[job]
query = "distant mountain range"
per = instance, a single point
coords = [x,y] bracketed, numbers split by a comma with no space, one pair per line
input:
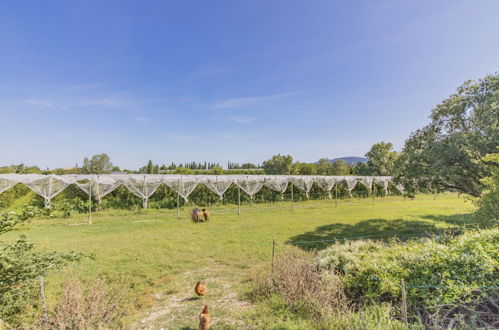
[350,160]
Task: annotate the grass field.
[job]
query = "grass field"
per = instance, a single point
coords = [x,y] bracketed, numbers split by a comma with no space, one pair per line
[162,257]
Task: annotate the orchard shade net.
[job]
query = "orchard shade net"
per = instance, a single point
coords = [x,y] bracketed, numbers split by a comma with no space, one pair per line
[47,186]
[97,186]
[144,185]
[326,183]
[303,183]
[277,183]
[6,182]
[218,185]
[183,185]
[250,184]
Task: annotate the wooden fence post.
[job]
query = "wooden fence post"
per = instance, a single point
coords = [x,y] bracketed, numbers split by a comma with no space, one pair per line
[42,296]
[404,301]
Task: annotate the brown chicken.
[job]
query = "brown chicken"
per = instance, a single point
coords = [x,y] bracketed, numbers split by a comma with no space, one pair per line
[200,288]
[204,319]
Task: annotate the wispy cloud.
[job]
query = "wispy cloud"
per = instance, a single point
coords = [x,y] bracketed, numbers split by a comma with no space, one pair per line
[250,101]
[242,120]
[143,120]
[38,103]
[110,102]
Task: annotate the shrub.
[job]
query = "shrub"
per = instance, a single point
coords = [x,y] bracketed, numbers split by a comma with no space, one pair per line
[297,280]
[20,266]
[443,270]
[488,204]
[99,306]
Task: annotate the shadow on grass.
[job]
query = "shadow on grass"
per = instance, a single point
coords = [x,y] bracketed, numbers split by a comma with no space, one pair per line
[455,219]
[190,299]
[376,229]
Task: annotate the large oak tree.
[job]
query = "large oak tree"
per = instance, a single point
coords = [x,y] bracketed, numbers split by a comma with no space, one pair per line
[446,153]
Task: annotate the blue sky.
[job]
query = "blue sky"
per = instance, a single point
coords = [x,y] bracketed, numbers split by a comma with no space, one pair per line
[230,80]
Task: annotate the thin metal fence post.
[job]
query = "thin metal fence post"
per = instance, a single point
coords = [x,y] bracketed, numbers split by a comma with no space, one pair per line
[238,200]
[292,198]
[374,191]
[90,202]
[273,254]
[404,301]
[336,195]
[178,201]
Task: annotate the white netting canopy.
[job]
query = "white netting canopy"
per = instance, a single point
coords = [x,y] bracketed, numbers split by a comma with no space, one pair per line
[326,183]
[97,186]
[47,186]
[366,181]
[351,182]
[383,181]
[144,185]
[7,182]
[277,183]
[218,185]
[183,185]
[303,183]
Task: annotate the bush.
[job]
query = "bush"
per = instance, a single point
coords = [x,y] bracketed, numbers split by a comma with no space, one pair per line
[20,266]
[300,296]
[99,306]
[488,204]
[443,270]
[297,280]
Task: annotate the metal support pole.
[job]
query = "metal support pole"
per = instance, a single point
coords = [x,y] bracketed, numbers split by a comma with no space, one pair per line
[373,191]
[144,204]
[238,200]
[273,253]
[292,198]
[89,202]
[336,195]
[178,201]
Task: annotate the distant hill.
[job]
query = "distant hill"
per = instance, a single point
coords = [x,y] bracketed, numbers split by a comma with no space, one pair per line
[350,160]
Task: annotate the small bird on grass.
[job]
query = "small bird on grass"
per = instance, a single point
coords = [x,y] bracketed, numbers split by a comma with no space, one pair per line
[204,319]
[200,288]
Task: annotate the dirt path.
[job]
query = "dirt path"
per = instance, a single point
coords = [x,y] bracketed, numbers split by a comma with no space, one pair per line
[180,309]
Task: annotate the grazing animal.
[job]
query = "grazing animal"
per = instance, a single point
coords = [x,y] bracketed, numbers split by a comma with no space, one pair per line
[204,319]
[206,215]
[200,288]
[198,215]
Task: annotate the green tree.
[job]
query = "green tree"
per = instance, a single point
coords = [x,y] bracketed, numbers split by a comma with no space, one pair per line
[20,266]
[381,159]
[150,167]
[324,167]
[340,167]
[98,164]
[278,164]
[446,153]
[305,169]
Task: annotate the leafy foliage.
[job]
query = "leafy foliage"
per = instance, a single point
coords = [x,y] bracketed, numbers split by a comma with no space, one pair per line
[488,204]
[444,270]
[381,159]
[98,164]
[20,266]
[278,164]
[446,154]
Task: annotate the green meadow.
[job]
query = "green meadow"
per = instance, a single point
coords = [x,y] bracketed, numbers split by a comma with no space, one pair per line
[160,257]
